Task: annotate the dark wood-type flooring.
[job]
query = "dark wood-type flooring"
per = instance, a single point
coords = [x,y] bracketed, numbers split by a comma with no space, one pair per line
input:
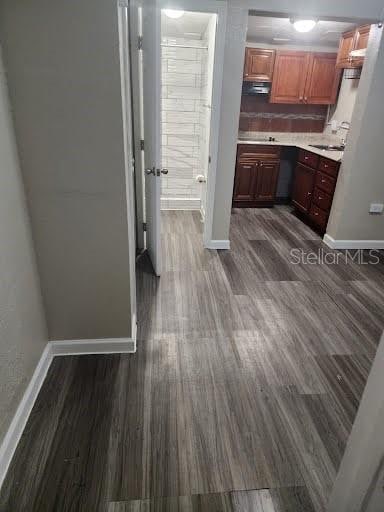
[241,395]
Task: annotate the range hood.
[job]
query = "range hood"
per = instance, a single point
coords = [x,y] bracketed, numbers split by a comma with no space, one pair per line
[255,88]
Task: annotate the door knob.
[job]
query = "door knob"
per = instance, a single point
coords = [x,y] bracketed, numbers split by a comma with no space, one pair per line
[150,171]
[164,171]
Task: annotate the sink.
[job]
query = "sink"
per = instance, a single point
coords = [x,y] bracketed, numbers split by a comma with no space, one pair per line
[328,147]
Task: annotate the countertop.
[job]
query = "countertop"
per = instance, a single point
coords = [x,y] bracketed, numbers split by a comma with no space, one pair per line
[294,142]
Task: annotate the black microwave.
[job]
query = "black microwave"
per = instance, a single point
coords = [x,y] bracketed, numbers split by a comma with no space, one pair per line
[253,88]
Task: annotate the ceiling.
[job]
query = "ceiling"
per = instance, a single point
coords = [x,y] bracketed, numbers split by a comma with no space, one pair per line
[263,29]
[191,25]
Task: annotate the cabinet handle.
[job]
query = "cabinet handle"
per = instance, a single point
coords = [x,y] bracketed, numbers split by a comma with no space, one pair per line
[306,158]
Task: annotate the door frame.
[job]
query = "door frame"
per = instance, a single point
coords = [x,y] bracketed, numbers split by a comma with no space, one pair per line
[126,104]
[219,8]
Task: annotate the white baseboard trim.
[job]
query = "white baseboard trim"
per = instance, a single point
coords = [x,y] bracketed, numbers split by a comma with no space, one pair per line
[16,428]
[217,244]
[55,348]
[102,346]
[352,244]
[180,203]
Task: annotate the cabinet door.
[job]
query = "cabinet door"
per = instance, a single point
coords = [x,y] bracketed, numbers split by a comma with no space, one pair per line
[289,77]
[323,79]
[303,187]
[267,176]
[360,43]
[245,182]
[258,65]
[345,47]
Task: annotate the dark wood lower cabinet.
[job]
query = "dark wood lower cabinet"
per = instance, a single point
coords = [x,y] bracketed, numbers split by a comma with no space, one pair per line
[267,176]
[313,188]
[303,187]
[245,181]
[257,172]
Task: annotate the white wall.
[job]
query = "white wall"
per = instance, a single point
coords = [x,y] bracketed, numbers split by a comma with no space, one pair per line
[181,119]
[345,105]
[23,333]
[63,66]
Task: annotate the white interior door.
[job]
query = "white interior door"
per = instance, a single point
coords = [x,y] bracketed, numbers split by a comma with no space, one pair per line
[151,34]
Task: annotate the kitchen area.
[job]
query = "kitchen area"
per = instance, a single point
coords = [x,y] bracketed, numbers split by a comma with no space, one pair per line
[300,84]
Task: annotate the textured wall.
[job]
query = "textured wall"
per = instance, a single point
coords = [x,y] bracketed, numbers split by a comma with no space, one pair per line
[22,326]
[64,80]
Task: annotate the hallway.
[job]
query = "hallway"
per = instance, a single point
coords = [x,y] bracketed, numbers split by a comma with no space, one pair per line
[242,393]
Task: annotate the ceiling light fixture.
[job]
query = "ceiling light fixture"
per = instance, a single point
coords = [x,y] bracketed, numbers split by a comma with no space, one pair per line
[304,25]
[173,13]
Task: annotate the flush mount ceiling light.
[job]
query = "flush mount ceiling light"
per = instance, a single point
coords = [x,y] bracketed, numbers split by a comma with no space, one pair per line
[303,25]
[173,13]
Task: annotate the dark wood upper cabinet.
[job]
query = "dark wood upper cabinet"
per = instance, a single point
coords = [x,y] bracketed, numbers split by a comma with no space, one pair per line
[345,47]
[289,77]
[322,80]
[303,187]
[360,43]
[305,77]
[352,40]
[258,65]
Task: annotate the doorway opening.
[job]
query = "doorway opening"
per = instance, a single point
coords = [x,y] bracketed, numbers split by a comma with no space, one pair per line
[187,60]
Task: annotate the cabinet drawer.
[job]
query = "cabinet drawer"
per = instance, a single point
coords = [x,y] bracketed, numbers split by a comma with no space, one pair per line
[322,199]
[329,166]
[318,216]
[307,158]
[253,152]
[325,182]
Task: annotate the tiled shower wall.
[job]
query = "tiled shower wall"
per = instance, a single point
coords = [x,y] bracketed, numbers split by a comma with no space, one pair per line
[181,122]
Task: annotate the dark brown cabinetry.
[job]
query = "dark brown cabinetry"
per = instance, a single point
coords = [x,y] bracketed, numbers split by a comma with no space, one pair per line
[314,186]
[352,40]
[303,187]
[289,77]
[258,65]
[305,77]
[257,172]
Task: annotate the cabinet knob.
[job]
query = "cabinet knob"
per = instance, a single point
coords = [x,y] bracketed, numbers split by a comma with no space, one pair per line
[325,166]
[306,157]
[305,98]
[309,193]
[301,98]
[319,198]
[322,181]
[316,214]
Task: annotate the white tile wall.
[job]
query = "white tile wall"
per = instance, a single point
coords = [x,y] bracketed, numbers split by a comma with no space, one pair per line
[182,95]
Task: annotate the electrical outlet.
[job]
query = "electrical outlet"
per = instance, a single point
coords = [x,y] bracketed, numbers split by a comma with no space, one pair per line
[376,208]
